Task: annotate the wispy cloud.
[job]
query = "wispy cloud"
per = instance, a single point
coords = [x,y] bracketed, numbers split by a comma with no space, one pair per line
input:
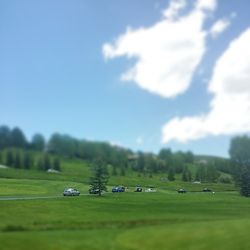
[219,26]
[230,106]
[167,53]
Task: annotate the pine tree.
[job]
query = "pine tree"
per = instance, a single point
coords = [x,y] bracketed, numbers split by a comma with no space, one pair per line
[114,171]
[189,175]
[17,161]
[99,178]
[46,162]
[171,174]
[122,173]
[9,159]
[39,164]
[27,161]
[184,175]
[56,164]
[244,182]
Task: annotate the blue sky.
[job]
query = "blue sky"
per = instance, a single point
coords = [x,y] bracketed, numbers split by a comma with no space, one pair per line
[65,66]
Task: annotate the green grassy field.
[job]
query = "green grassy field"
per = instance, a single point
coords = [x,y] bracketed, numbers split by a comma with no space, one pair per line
[161,220]
[126,221]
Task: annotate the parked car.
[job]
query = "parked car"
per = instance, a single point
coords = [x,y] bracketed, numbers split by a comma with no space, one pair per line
[206,190]
[181,191]
[94,191]
[119,189]
[138,189]
[71,192]
[150,189]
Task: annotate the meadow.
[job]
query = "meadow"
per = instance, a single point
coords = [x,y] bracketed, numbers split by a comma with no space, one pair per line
[161,220]
[122,221]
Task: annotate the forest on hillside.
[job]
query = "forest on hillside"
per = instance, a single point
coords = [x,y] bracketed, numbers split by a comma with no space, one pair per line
[18,152]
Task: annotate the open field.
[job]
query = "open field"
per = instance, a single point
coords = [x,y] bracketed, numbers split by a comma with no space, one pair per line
[126,221]
[161,220]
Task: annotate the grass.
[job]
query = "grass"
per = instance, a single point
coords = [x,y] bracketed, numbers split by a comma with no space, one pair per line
[26,187]
[126,221]
[123,221]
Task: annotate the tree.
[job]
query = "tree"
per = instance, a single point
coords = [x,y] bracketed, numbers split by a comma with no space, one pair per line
[171,174]
[189,175]
[56,164]
[27,161]
[178,161]
[122,171]
[99,178]
[114,171]
[200,174]
[46,162]
[17,161]
[38,142]
[185,174]
[4,137]
[18,138]
[189,157]
[9,161]
[1,159]
[240,156]
[63,145]
[211,174]
[39,164]
[140,162]
[167,156]
[245,182]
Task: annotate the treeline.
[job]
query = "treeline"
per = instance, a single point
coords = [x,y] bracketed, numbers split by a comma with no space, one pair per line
[25,160]
[118,159]
[15,138]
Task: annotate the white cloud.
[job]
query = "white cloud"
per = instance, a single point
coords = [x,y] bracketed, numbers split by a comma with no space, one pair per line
[167,53]
[174,8]
[206,4]
[230,106]
[219,26]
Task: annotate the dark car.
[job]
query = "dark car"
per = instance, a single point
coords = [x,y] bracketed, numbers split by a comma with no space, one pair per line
[94,191]
[181,191]
[138,189]
[118,189]
[206,190]
[71,192]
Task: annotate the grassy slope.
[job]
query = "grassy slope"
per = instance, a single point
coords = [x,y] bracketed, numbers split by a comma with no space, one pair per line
[162,220]
[128,221]
[74,170]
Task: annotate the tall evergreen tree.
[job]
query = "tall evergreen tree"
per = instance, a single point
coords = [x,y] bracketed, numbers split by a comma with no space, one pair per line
[56,164]
[38,142]
[4,137]
[99,178]
[40,164]
[17,161]
[122,171]
[114,170]
[240,156]
[140,162]
[9,161]
[18,138]
[171,173]
[189,175]
[244,182]
[27,161]
[200,174]
[184,174]
[46,162]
